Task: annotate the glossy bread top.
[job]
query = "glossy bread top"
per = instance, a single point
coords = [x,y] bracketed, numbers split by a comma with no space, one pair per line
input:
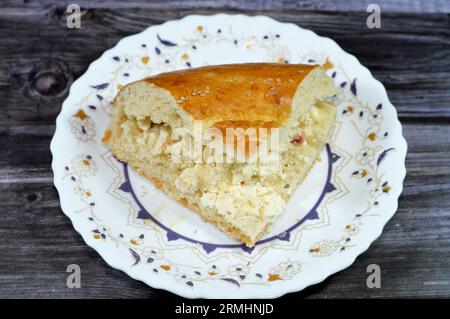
[252,93]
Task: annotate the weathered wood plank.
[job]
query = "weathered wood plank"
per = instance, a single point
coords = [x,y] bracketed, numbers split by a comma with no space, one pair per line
[414,66]
[39,241]
[26,151]
[429,6]
[410,54]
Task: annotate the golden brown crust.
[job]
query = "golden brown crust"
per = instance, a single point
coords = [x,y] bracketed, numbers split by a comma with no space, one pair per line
[253,92]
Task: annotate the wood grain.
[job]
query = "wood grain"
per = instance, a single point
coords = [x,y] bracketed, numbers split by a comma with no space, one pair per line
[417,6]
[40,58]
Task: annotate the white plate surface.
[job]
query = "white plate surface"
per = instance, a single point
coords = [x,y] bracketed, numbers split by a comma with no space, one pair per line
[335,215]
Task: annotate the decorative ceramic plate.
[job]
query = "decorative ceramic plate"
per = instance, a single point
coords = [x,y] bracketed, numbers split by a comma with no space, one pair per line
[335,215]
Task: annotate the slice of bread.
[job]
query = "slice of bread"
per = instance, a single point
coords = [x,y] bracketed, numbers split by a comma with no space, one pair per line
[242,196]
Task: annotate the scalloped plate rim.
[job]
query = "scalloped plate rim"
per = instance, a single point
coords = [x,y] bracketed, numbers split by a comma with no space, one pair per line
[276,291]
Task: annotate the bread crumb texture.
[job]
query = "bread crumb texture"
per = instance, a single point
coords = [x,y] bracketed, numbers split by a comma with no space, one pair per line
[241,198]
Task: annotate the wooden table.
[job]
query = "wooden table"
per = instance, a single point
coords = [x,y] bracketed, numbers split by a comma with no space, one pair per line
[40,58]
